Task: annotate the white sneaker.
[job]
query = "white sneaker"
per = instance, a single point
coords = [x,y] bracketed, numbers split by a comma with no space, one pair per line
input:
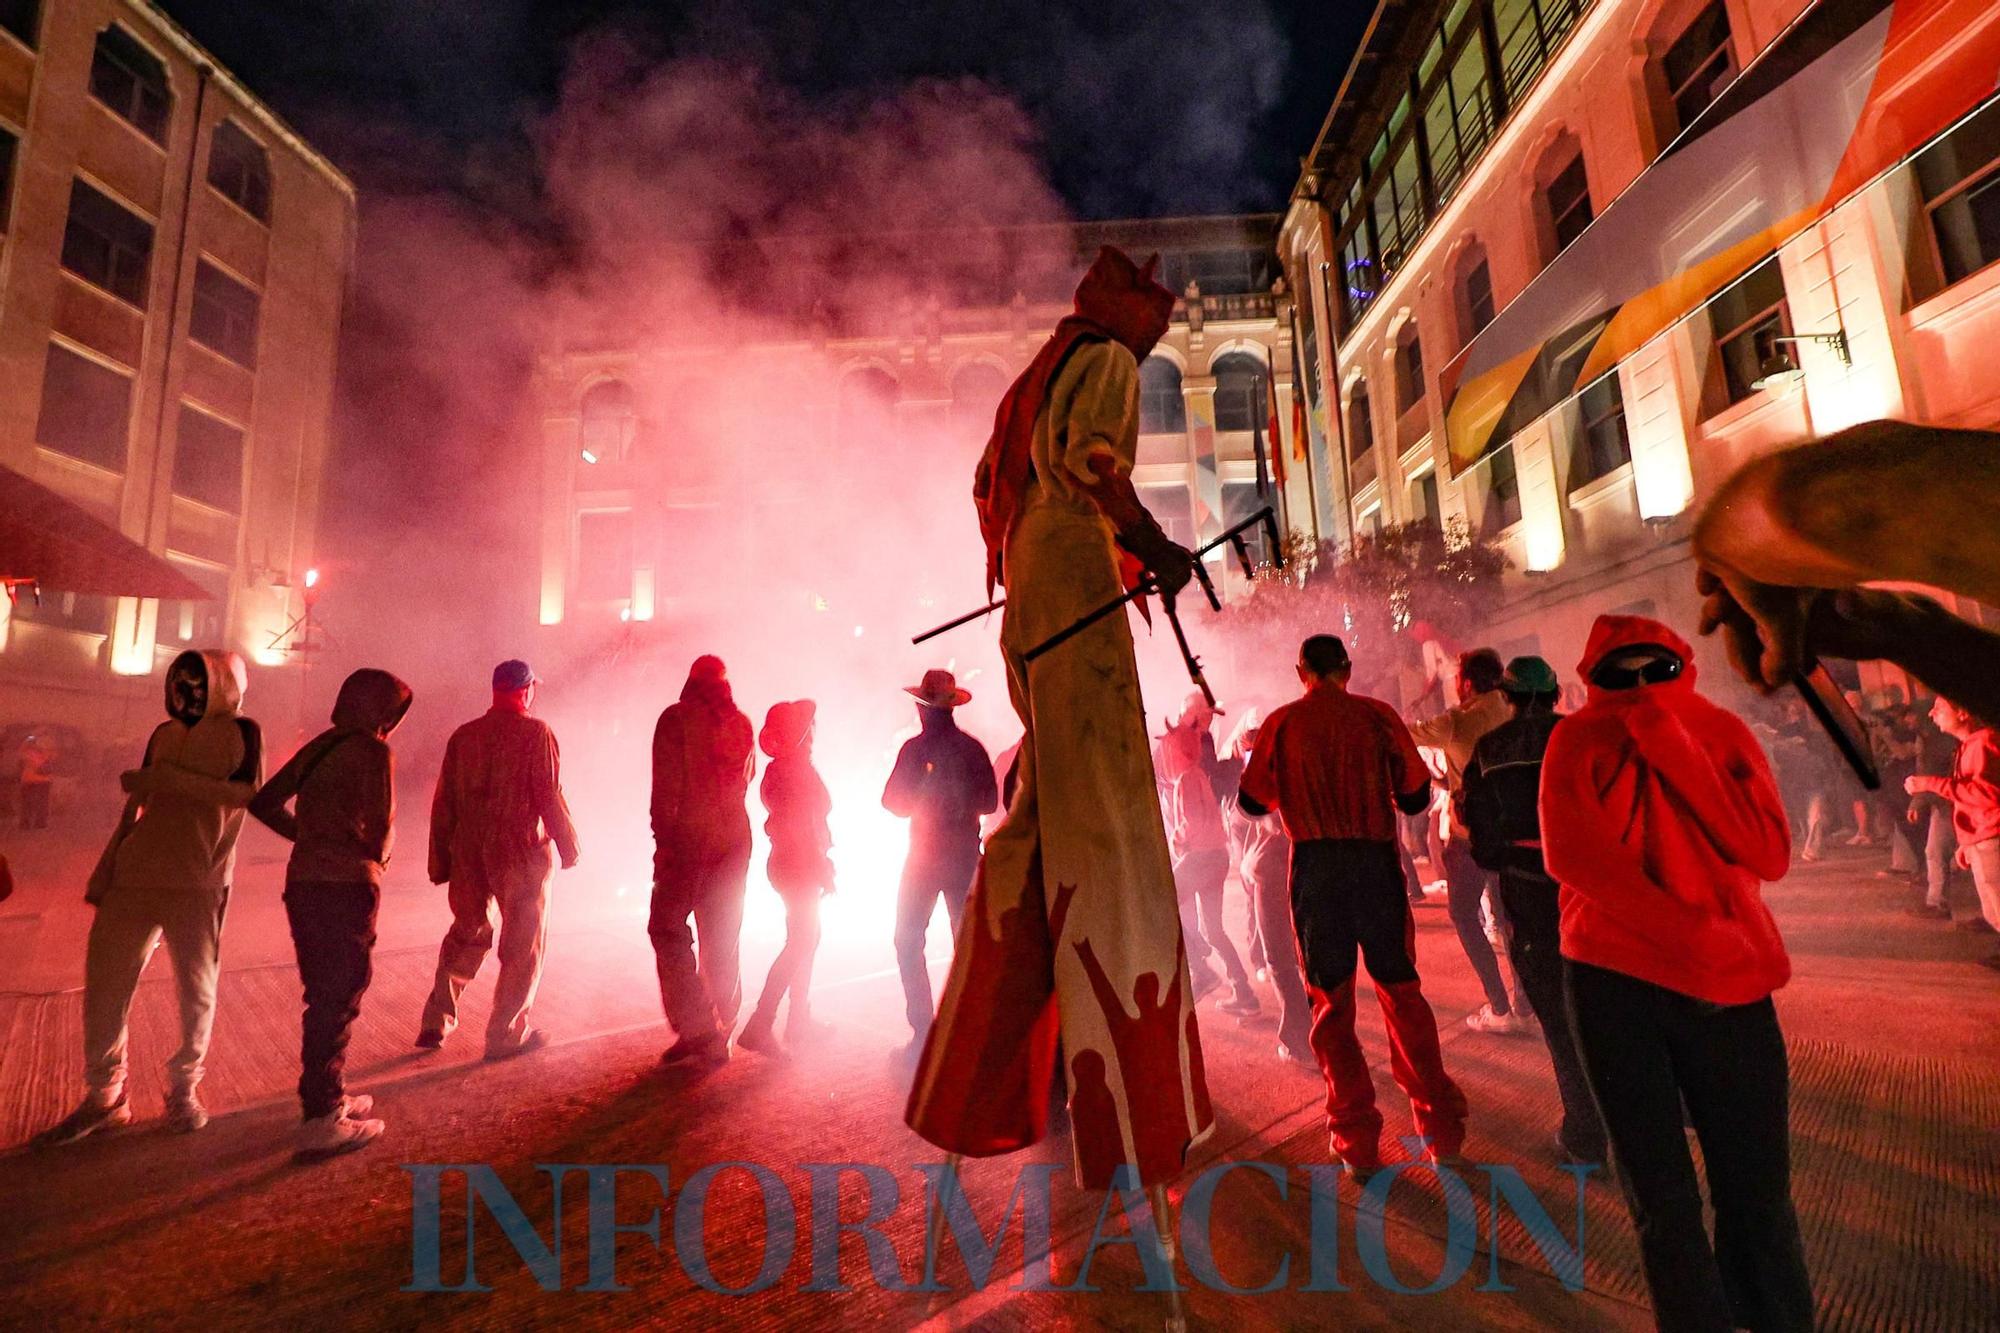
[355,1106]
[333,1134]
[1485,1020]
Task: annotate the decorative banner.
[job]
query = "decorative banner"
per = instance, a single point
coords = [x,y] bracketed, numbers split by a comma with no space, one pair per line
[1850,90]
[1207,478]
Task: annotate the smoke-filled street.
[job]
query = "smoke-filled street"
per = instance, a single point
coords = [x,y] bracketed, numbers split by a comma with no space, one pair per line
[1896,1103]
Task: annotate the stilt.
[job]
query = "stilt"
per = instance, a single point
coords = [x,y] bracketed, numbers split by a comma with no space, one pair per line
[1163,1226]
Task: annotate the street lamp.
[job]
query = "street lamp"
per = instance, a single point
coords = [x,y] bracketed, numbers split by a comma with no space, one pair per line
[1777,366]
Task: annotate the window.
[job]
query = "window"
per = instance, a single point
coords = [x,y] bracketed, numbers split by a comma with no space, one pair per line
[224,317]
[1743,318]
[239,169]
[80,612]
[1458,119]
[202,622]
[1162,410]
[1369,526]
[1568,201]
[9,145]
[86,408]
[1240,499]
[1172,508]
[1409,369]
[20,17]
[108,245]
[1219,272]
[208,461]
[1959,176]
[1530,31]
[1239,393]
[1424,506]
[604,555]
[129,79]
[1360,424]
[1602,444]
[608,423]
[1698,66]
[1475,297]
[1503,491]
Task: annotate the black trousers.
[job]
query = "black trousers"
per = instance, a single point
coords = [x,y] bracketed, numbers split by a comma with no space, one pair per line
[333,930]
[1647,1051]
[1466,881]
[1347,894]
[1532,903]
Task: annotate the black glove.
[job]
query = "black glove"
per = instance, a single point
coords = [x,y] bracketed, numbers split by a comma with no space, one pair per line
[1170,563]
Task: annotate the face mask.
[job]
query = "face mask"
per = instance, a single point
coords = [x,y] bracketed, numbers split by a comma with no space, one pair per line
[187,694]
[1631,675]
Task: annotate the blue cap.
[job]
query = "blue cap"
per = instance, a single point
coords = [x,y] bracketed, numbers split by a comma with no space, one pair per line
[514,674]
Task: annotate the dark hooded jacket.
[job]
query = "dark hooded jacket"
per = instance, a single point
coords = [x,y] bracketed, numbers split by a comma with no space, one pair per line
[1501,789]
[702,762]
[344,780]
[202,766]
[1660,820]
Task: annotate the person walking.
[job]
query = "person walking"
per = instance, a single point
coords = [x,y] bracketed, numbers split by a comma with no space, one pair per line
[1336,767]
[1660,820]
[1454,732]
[37,783]
[1974,792]
[1937,753]
[1189,773]
[944,784]
[498,824]
[344,783]
[1502,818]
[166,874]
[1264,859]
[797,804]
[702,763]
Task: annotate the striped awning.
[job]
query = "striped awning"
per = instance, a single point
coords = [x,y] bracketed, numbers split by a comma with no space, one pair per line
[1850,90]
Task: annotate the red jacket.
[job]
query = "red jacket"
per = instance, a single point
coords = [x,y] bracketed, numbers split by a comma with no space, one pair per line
[1973,788]
[1335,765]
[1660,820]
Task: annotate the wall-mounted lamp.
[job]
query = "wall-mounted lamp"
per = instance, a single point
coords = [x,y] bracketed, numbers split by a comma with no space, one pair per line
[1777,366]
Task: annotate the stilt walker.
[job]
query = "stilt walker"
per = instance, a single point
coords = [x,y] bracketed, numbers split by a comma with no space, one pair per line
[1072,929]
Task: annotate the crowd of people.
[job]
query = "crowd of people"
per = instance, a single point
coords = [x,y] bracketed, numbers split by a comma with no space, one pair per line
[1602,866]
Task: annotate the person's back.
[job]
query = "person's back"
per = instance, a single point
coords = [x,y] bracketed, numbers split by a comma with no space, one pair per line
[1335,763]
[1503,793]
[499,789]
[702,763]
[344,784]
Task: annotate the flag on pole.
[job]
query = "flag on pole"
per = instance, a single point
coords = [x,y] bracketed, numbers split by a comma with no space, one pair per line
[1271,429]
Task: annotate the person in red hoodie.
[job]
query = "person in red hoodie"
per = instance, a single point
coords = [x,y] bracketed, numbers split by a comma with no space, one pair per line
[1660,821]
[1974,792]
[798,805]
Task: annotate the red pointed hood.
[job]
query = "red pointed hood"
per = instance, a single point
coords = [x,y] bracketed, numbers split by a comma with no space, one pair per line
[1126,300]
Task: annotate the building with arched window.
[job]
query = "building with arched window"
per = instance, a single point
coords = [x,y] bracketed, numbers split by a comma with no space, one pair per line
[1631,266]
[632,463]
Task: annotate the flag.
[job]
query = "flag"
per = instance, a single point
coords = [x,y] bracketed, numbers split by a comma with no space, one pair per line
[1257,447]
[1271,431]
[1847,92]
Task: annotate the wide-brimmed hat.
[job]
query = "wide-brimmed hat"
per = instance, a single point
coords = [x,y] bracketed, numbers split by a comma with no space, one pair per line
[939,690]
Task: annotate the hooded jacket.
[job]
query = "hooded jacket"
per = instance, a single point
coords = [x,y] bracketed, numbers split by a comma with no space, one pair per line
[1194,783]
[345,782]
[702,762]
[200,771]
[797,804]
[1660,820]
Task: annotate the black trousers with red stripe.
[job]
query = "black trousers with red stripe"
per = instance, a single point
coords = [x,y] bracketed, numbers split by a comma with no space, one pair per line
[1348,898]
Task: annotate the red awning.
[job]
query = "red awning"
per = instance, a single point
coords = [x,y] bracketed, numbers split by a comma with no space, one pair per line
[47,540]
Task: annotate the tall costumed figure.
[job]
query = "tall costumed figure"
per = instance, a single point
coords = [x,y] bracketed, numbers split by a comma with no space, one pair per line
[1072,930]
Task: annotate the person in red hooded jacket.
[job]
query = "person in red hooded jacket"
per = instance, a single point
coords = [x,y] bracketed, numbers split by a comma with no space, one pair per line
[1660,820]
[798,804]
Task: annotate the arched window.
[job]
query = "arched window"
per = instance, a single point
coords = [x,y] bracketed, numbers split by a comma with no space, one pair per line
[1162,410]
[1562,196]
[1409,367]
[1691,67]
[609,421]
[1472,292]
[1360,422]
[1239,393]
[976,390]
[867,396]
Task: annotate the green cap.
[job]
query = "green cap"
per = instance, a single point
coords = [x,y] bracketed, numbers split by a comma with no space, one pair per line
[1530,675]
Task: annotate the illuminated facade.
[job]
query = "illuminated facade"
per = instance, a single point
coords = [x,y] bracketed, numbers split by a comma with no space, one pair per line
[612,455]
[173,266]
[1478,146]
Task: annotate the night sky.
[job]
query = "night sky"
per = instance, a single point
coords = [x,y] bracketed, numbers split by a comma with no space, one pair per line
[1145,107]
